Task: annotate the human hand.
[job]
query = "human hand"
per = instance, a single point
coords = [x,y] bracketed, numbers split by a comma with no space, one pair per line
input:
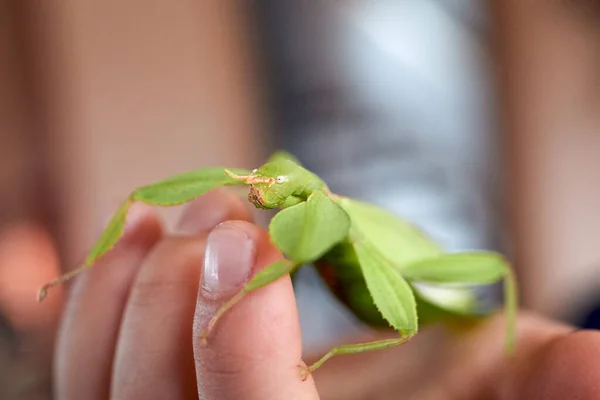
[131,330]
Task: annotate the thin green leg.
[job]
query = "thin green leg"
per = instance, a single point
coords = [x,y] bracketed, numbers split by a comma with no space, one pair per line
[266,276]
[354,349]
[511,305]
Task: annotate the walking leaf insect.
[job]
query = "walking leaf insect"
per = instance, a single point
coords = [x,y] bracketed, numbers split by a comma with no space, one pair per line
[375,263]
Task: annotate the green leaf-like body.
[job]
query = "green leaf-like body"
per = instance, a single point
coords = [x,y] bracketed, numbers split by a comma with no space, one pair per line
[306,231]
[270,274]
[111,234]
[475,268]
[185,187]
[398,241]
[391,294]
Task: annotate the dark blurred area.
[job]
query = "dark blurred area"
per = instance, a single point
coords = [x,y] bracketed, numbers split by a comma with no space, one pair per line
[478,121]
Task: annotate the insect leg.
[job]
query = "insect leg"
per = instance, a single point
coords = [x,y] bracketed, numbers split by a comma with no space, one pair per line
[354,349]
[266,276]
[511,307]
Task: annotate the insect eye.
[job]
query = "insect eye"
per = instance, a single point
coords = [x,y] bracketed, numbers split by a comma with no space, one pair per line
[281,179]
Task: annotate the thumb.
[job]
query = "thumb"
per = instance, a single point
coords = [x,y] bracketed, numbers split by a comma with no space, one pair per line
[255,348]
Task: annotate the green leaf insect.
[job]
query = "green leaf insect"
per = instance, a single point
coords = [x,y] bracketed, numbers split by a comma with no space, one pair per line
[383,269]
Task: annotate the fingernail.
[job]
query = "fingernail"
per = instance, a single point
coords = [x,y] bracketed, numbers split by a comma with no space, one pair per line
[204,213]
[228,260]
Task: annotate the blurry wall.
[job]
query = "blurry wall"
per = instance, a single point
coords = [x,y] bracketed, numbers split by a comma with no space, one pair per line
[23,161]
[140,90]
[548,80]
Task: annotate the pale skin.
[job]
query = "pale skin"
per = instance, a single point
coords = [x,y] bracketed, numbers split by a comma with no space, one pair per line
[145,341]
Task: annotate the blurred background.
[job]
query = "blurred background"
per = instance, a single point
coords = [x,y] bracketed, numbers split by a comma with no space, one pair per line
[476,120]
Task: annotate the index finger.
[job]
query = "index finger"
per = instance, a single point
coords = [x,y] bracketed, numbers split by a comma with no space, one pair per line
[255,349]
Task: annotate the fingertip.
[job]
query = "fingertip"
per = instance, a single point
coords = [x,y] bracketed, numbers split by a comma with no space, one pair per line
[142,222]
[208,210]
[255,348]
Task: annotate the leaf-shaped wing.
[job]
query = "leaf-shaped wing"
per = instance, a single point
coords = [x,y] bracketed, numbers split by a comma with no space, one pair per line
[474,268]
[111,234]
[466,268]
[306,231]
[391,294]
[397,240]
[185,187]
